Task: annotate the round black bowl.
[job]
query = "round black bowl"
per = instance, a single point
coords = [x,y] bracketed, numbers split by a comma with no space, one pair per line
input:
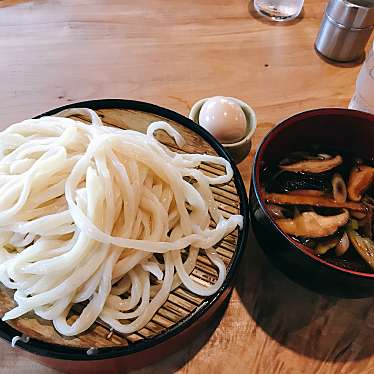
[344,129]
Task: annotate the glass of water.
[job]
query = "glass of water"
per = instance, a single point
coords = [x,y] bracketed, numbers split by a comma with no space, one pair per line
[363,98]
[279,10]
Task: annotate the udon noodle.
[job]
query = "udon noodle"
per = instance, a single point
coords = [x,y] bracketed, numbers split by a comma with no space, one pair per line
[108,217]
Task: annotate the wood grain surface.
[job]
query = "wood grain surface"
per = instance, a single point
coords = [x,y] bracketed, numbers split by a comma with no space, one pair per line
[173,53]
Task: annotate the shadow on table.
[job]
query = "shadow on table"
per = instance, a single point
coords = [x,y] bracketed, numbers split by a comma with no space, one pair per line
[252,11]
[325,328]
[350,64]
[176,361]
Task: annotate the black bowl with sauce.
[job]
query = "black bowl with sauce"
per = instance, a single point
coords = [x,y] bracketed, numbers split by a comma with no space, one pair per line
[348,130]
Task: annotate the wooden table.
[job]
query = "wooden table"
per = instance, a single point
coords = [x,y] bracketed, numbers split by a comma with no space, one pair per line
[173,53]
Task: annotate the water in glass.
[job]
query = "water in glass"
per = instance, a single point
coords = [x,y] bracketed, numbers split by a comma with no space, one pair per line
[279,10]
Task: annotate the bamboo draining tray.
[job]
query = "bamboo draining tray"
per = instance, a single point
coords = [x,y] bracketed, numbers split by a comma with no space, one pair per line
[181,302]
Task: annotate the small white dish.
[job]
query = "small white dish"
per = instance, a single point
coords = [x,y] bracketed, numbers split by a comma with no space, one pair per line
[239,150]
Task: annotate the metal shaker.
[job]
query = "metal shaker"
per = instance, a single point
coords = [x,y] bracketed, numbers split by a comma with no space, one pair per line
[345,29]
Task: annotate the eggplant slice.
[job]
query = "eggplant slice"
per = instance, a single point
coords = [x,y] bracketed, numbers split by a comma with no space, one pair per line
[326,245]
[288,181]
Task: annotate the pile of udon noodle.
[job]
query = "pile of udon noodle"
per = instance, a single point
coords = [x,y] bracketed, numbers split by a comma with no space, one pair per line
[102,216]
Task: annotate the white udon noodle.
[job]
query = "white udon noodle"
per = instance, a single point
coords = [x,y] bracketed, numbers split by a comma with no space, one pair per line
[96,214]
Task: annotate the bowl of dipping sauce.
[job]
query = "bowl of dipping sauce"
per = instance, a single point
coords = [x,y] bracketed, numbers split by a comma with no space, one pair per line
[286,175]
[231,121]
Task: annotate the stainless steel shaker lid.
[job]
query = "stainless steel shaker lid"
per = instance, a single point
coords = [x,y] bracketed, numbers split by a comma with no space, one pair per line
[358,14]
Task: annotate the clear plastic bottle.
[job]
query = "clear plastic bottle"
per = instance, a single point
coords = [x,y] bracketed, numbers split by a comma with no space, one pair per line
[363,99]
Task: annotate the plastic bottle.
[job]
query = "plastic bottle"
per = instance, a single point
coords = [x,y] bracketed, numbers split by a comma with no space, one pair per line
[363,98]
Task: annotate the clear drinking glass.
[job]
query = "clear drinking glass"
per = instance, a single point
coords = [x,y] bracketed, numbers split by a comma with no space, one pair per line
[279,10]
[363,98]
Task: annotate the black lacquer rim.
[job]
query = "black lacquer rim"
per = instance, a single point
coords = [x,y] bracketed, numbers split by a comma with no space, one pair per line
[289,121]
[79,354]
